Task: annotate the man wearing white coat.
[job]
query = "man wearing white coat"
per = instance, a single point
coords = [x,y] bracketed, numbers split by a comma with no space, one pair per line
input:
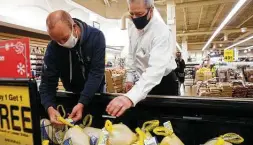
[150,62]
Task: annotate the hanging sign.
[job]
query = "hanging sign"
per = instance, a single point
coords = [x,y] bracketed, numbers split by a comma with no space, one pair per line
[15,116]
[15,58]
[229,55]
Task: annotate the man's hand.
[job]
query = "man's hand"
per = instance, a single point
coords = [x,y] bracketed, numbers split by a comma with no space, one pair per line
[119,105]
[53,114]
[129,86]
[77,112]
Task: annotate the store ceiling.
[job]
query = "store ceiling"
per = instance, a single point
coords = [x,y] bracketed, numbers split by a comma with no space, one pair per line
[196,19]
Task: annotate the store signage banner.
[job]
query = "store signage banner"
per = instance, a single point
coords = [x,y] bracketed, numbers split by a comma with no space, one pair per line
[229,55]
[15,58]
[15,116]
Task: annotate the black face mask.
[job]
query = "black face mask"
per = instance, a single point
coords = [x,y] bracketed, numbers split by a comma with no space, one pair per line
[141,22]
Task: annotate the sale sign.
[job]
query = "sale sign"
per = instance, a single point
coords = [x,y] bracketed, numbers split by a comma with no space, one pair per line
[15,58]
[15,116]
[229,55]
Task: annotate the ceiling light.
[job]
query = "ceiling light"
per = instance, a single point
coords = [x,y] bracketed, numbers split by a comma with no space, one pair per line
[221,45]
[245,51]
[240,42]
[227,19]
[243,30]
[249,48]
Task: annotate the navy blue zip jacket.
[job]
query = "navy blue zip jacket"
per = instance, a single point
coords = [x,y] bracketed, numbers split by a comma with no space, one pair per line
[81,69]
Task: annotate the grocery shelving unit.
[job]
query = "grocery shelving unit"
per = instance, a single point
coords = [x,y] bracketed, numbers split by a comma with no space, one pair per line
[37,56]
[189,74]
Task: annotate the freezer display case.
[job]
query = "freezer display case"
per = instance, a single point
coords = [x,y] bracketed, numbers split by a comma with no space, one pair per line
[195,120]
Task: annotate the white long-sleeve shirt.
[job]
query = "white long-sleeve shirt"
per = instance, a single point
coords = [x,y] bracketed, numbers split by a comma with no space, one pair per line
[150,58]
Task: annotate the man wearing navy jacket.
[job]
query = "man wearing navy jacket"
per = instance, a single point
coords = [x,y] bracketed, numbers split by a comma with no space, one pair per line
[76,55]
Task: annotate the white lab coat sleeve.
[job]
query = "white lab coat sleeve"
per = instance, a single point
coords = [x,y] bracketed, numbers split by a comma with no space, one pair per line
[159,61]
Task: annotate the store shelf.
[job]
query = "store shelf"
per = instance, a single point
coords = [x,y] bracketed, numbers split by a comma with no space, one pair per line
[36,57]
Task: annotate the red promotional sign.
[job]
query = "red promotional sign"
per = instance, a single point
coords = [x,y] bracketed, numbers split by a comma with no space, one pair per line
[15,58]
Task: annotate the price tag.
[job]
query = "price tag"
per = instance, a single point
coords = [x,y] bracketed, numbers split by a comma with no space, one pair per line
[151,141]
[70,121]
[229,55]
[168,125]
[59,135]
[104,137]
[68,142]
[93,139]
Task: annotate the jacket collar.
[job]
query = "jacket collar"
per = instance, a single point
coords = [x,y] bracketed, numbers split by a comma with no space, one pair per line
[85,30]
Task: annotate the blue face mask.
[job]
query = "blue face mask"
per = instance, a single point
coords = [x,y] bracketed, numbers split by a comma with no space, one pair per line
[141,22]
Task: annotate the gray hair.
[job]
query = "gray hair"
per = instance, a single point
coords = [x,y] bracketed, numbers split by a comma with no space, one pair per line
[148,3]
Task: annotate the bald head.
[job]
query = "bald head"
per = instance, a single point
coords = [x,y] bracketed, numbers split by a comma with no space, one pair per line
[59,16]
[60,26]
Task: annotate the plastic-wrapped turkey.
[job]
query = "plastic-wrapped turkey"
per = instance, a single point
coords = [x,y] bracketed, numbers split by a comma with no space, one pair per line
[90,131]
[118,134]
[48,131]
[141,136]
[149,126]
[76,136]
[227,139]
[215,142]
[170,137]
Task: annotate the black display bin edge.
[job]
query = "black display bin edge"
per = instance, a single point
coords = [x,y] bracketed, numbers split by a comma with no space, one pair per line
[210,102]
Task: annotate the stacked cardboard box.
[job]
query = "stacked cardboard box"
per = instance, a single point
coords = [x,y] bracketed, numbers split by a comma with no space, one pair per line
[226,89]
[250,90]
[239,92]
[114,80]
[215,91]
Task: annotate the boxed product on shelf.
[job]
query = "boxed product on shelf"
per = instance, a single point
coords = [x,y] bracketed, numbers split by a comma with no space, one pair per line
[223,75]
[237,83]
[250,90]
[115,80]
[239,92]
[203,74]
[37,56]
[189,74]
[239,89]
[226,89]
[215,91]
[249,75]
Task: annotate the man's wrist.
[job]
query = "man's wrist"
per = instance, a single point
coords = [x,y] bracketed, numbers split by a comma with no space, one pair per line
[49,104]
[132,104]
[50,108]
[80,104]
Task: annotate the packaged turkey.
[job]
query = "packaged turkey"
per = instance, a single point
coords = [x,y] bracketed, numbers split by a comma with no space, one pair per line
[116,134]
[76,136]
[227,139]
